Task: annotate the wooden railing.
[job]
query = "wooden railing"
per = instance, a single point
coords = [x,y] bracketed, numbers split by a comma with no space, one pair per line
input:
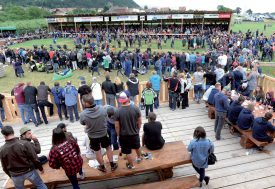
[12,111]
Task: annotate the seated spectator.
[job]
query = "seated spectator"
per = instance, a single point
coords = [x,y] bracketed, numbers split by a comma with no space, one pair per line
[69,135]
[152,138]
[234,110]
[207,93]
[270,100]
[213,92]
[259,94]
[261,127]
[246,118]
[244,89]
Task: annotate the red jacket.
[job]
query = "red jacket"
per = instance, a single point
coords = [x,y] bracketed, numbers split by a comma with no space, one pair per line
[66,155]
[18,93]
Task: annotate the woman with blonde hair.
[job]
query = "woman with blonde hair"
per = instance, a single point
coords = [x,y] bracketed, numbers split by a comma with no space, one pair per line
[96,91]
[119,86]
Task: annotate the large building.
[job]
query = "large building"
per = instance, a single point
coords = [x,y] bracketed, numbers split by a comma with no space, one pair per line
[141,20]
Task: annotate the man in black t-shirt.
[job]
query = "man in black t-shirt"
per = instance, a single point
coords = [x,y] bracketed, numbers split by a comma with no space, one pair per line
[152,138]
[128,124]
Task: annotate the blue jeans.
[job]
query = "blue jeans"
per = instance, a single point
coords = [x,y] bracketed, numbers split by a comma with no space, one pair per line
[192,67]
[156,103]
[30,113]
[207,87]
[32,176]
[71,109]
[73,179]
[98,102]
[198,92]
[1,125]
[60,108]
[22,109]
[2,112]
[173,100]
[113,136]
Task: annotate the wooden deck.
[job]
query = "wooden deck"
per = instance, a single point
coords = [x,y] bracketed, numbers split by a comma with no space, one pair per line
[236,167]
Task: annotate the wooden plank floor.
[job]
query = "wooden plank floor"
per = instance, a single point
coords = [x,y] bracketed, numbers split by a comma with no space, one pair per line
[236,167]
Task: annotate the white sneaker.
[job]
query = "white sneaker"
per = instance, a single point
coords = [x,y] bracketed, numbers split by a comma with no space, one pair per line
[82,177]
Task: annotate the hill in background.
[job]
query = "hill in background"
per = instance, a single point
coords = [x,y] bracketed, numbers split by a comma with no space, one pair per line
[70,3]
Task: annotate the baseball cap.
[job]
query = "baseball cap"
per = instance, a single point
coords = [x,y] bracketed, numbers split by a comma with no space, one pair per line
[23,130]
[123,96]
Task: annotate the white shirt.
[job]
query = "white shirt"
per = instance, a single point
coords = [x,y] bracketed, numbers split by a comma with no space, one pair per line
[96,91]
[219,74]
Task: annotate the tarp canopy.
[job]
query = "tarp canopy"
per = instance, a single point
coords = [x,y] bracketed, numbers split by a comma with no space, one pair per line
[8,28]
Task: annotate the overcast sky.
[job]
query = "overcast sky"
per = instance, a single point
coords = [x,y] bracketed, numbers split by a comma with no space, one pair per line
[254,5]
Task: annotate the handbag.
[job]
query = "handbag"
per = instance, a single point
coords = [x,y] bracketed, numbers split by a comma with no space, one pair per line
[212,159]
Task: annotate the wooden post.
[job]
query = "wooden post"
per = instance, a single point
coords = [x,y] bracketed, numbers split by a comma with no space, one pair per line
[181,25]
[75,28]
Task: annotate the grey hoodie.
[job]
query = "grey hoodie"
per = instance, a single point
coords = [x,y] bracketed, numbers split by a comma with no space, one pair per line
[95,119]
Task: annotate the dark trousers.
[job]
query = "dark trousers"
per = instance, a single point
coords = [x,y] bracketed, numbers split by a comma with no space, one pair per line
[41,105]
[156,102]
[200,171]
[184,100]
[172,100]
[147,108]
[60,108]
[73,179]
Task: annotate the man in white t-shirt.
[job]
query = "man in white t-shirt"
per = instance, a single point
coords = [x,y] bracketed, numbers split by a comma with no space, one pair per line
[222,60]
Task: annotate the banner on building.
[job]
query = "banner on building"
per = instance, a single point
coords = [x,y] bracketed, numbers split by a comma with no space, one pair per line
[89,19]
[182,16]
[125,18]
[106,18]
[142,18]
[224,15]
[211,15]
[159,17]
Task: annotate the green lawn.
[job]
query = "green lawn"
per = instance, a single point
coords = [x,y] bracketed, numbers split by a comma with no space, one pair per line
[269,70]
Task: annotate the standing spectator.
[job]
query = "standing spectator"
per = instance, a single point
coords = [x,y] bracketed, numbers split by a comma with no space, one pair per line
[213,92]
[59,101]
[95,120]
[18,68]
[19,160]
[252,79]
[128,123]
[96,91]
[132,85]
[30,93]
[221,106]
[110,91]
[219,73]
[200,147]
[18,93]
[173,90]
[84,88]
[111,126]
[42,99]
[155,79]
[192,59]
[183,91]
[71,96]
[2,111]
[151,137]
[148,96]
[210,77]
[198,82]
[66,154]
[119,86]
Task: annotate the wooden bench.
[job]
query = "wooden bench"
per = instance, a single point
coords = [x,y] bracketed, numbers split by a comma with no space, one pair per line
[178,183]
[247,140]
[171,155]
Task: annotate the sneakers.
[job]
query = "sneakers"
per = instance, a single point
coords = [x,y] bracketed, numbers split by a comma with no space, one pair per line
[129,166]
[81,177]
[101,168]
[138,160]
[206,179]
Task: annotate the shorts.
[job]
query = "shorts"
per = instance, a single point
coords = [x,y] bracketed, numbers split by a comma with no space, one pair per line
[97,143]
[127,143]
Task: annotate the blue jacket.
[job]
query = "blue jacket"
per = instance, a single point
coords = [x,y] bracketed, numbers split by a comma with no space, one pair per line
[199,152]
[211,96]
[244,92]
[70,93]
[221,102]
[58,94]
[155,80]
[260,129]
[245,119]
[192,58]
[233,112]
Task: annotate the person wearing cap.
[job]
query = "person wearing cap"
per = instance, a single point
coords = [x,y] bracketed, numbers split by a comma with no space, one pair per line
[59,101]
[261,127]
[19,160]
[173,90]
[26,135]
[70,94]
[221,104]
[127,124]
[94,118]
